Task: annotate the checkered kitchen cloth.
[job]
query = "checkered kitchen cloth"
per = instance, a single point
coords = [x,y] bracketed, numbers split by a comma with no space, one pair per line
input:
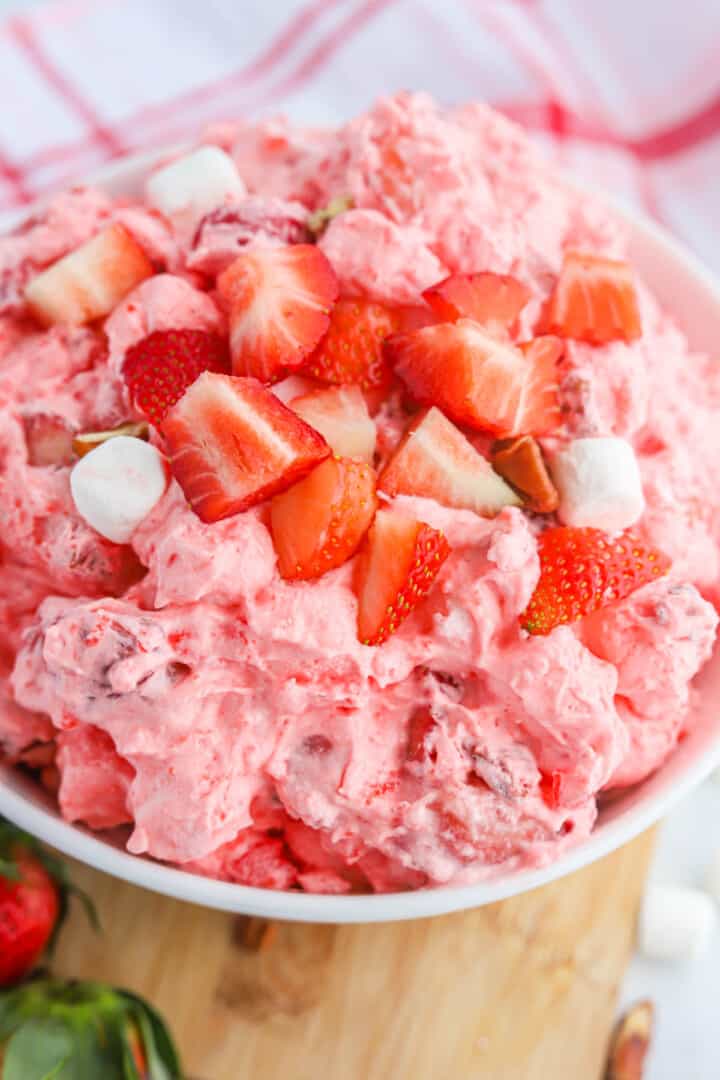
[624,92]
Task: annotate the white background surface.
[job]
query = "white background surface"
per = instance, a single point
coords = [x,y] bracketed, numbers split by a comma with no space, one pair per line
[687,1043]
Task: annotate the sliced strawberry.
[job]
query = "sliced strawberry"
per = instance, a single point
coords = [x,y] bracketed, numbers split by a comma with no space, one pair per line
[397,566]
[594,300]
[49,440]
[493,300]
[435,460]
[582,570]
[319,523]
[89,282]
[159,369]
[351,351]
[232,444]
[477,380]
[341,416]
[279,301]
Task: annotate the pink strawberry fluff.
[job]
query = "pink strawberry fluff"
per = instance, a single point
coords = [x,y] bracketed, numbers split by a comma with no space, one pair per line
[230,721]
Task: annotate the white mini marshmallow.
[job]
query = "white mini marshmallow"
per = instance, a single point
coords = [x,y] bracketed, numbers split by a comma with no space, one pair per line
[193,185]
[599,484]
[115,486]
[676,923]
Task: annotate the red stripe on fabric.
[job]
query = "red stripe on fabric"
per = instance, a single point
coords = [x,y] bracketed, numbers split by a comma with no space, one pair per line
[15,180]
[324,50]
[675,139]
[22,33]
[289,36]
[171,109]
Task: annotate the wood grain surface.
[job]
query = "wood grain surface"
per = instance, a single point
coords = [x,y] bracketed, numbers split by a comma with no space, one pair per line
[522,990]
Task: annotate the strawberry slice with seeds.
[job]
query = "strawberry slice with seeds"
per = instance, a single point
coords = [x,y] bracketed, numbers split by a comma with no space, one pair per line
[594,300]
[582,570]
[341,416]
[231,444]
[436,461]
[351,351]
[396,568]
[279,301]
[478,380]
[158,370]
[320,522]
[493,300]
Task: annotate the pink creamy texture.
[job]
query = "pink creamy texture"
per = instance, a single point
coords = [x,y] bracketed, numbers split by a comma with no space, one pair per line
[233,719]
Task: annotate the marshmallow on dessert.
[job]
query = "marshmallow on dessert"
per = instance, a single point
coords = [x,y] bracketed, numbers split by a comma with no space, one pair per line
[676,922]
[193,185]
[599,483]
[115,486]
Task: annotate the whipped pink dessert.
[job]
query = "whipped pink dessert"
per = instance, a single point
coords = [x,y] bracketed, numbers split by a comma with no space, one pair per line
[357,530]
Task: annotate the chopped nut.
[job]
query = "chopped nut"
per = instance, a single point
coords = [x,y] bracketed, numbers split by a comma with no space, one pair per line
[520,462]
[631,1042]
[254,934]
[319,221]
[83,444]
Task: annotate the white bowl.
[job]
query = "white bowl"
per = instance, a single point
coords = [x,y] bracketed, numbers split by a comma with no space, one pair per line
[693,295]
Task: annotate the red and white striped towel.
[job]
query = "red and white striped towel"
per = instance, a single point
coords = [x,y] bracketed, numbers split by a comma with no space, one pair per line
[625,92]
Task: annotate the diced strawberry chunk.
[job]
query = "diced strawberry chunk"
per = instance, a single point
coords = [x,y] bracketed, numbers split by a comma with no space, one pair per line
[232,444]
[477,380]
[436,461]
[397,566]
[493,300]
[158,369]
[319,523]
[279,301]
[89,282]
[341,416]
[351,351]
[49,440]
[594,301]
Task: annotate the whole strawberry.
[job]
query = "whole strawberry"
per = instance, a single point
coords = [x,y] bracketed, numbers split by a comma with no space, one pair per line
[582,570]
[34,893]
[72,1030]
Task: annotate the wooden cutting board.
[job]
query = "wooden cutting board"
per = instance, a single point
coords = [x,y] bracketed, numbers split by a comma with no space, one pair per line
[522,990]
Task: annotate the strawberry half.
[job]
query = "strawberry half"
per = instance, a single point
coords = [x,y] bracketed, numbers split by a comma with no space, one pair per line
[158,370]
[341,416]
[319,523]
[435,460]
[231,444]
[477,380]
[352,349]
[397,566]
[279,301]
[493,300]
[582,570]
[594,301]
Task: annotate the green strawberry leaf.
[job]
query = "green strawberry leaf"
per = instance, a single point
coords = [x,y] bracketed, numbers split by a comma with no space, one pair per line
[37,1049]
[73,1030]
[162,1058]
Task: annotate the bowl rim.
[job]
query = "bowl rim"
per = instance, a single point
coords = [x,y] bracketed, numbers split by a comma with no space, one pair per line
[79,843]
